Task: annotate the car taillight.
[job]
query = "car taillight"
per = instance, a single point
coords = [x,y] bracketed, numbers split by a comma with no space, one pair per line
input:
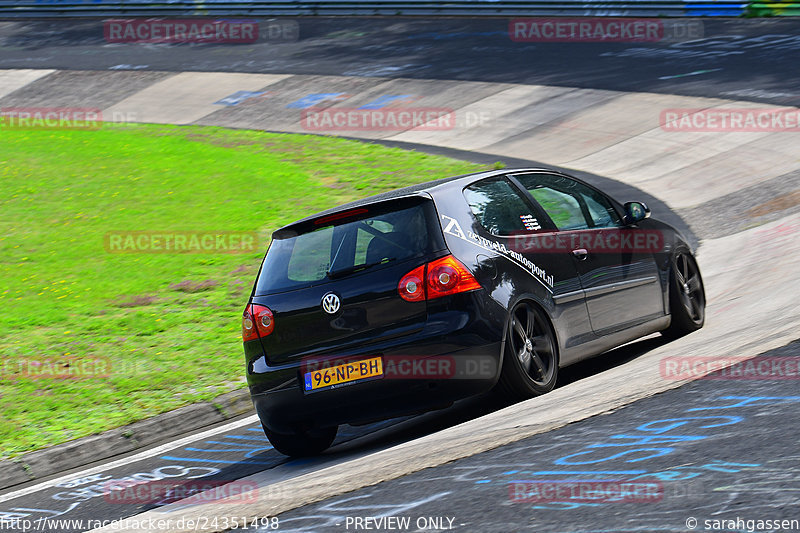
[412,287]
[442,277]
[257,321]
[448,276]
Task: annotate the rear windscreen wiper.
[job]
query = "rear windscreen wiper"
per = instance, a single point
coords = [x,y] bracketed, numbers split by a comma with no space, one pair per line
[356,268]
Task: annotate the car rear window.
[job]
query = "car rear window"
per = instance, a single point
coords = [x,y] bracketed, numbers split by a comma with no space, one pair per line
[382,235]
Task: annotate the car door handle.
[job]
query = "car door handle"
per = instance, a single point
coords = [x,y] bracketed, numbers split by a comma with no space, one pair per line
[581,254]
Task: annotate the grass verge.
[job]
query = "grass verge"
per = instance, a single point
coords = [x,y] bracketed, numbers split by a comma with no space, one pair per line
[145,333]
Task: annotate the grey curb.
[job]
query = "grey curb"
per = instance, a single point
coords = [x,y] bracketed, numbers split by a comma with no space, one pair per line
[86,450]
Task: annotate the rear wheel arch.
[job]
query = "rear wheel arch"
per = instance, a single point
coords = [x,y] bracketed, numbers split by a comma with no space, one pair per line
[531,299]
[515,383]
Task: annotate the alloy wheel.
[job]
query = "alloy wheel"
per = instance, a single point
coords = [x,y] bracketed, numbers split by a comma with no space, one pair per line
[532,343]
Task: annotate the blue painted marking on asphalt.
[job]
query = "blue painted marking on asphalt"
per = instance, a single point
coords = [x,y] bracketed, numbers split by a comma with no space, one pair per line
[586,472]
[565,481]
[383,101]
[510,472]
[245,437]
[249,446]
[226,450]
[238,97]
[680,422]
[693,73]
[193,460]
[656,452]
[313,99]
[483,481]
[749,400]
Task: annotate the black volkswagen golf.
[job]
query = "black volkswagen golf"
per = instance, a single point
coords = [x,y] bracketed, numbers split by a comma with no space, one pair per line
[407,301]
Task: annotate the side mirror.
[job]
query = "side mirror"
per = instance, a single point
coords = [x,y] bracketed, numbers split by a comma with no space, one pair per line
[636,212]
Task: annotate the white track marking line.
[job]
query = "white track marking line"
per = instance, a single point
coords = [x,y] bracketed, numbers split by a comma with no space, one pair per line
[127,460]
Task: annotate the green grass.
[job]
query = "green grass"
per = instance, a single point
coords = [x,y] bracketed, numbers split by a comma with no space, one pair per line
[167,324]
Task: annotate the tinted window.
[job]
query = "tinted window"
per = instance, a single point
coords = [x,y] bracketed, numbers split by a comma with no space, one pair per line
[564,209]
[570,204]
[499,208]
[346,248]
[601,211]
[309,257]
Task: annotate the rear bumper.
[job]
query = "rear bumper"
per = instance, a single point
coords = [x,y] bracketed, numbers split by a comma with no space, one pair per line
[456,354]
[468,372]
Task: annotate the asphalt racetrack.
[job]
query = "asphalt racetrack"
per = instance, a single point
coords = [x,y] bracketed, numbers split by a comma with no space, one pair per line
[721,448]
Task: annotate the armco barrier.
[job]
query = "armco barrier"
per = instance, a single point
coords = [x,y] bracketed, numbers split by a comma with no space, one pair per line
[611,8]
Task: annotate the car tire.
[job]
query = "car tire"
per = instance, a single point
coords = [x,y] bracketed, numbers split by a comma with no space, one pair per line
[302,444]
[687,297]
[530,358]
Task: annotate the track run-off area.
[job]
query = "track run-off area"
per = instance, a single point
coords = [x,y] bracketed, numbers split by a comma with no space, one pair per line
[734,192]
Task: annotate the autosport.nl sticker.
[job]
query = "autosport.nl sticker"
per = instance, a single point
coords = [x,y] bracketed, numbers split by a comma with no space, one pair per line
[452,227]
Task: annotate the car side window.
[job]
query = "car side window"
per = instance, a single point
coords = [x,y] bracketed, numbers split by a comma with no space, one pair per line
[563,208]
[601,211]
[570,204]
[499,208]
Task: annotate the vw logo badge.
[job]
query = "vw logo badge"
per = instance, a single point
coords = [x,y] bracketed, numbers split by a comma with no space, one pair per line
[331,303]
